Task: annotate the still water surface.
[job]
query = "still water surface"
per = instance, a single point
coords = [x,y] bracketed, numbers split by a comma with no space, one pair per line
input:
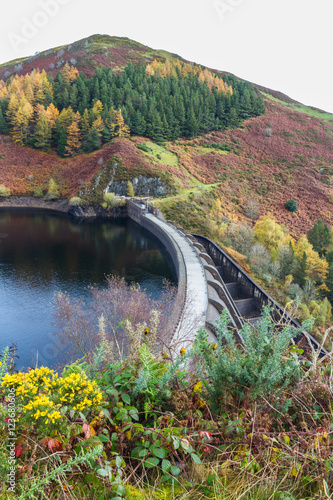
[42,253]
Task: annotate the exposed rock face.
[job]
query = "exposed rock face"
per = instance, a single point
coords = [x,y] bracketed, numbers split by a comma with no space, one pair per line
[143,186]
[97,211]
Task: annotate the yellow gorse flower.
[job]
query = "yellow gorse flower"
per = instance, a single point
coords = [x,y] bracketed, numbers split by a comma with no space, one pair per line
[42,392]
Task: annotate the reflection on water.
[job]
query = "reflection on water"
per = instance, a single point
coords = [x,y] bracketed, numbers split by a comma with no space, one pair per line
[41,254]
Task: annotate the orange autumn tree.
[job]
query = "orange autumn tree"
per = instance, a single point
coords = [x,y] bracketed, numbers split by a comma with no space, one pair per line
[52,113]
[73,139]
[121,129]
[69,73]
[177,68]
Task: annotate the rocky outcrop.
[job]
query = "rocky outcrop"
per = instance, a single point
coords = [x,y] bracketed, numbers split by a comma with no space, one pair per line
[98,211]
[143,186]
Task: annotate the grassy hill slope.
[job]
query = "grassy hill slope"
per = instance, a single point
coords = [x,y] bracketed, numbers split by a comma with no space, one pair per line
[285,154]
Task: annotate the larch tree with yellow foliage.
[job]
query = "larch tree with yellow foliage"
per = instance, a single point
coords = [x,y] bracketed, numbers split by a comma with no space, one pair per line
[98,124]
[121,129]
[43,133]
[73,140]
[20,129]
[69,73]
[52,113]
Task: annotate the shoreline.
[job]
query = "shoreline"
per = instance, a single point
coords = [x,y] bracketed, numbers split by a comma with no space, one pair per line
[61,206]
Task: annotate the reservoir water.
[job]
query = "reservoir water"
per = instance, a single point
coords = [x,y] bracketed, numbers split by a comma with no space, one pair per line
[42,254]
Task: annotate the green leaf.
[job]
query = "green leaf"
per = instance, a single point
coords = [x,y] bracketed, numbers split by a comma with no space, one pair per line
[158,452]
[195,458]
[166,464]
[126,399]
[151,462]
[185,444]
[134,414]
[175,470]
[143,453]
[102,472]
[106,413]
[89,478]
[103,438]
[211,479]
[175,443]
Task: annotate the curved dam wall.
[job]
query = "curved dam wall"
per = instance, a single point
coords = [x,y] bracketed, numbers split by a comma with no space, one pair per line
[190,308]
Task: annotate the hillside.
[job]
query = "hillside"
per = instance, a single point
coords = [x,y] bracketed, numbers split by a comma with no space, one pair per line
[88,54]
[286,153]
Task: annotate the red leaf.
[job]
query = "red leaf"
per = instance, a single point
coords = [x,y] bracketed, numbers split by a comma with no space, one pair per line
[18,449]
[54,444]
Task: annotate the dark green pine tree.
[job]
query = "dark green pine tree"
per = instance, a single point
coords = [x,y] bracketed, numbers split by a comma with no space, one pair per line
[92,142]
[286,260]
[73,97]
[246,110]
[138,124]
[62,143]
[65,99]
[157,133]
[48,99]
[3,124]
[56,132]
[106,135]
[319,237]
[299,271]
[233,118]
[192,126]
[96,91]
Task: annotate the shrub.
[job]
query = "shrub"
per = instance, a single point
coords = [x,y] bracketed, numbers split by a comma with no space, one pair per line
[110,200]
[241,237]
[291,206]
[75,201]
[260,366]
[53,192]
[252,209]
[38,193]
[4,191]
[78,326]
[260,259]
[144,148]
